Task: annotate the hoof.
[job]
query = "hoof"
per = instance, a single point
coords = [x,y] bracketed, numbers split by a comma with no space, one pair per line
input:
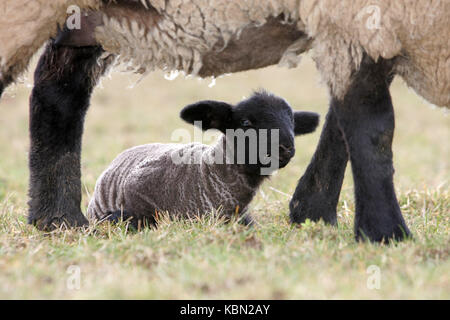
[247,220]
[381,225]
[49,223]
[383,233]
[314,207]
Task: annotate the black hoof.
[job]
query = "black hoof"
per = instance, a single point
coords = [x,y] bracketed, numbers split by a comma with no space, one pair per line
[51,222]
[314,207]
[247,220]
[382,232]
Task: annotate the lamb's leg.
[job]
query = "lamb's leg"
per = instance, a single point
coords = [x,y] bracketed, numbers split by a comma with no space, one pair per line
[246,219]
[135,222]
[366,117]
[64,80]
[317,192]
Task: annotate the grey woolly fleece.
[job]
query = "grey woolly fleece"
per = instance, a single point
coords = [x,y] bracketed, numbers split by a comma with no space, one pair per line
[145,179]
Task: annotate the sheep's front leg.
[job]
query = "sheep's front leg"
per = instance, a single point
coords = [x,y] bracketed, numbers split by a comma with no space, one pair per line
[5,80]
[64,80]
[366,117]
[317,192]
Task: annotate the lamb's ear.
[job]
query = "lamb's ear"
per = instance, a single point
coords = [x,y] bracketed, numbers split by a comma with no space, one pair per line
[305,122]
[208,114]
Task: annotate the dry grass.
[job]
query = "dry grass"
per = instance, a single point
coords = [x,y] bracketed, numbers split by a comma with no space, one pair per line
[209,259]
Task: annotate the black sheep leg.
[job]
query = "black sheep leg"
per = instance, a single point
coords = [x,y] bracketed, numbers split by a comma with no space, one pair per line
[366,117]
[317,192]
[4,82]
[64,80]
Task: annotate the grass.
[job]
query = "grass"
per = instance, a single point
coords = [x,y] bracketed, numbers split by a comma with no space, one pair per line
[206,258]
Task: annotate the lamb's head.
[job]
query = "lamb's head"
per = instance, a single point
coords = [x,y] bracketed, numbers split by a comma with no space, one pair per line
[260,129]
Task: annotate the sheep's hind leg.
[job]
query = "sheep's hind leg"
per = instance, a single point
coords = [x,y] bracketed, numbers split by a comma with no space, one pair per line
[366,117]
[317,192]
[64,80]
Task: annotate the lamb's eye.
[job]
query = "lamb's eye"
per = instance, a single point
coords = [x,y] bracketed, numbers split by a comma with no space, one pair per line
[246,123]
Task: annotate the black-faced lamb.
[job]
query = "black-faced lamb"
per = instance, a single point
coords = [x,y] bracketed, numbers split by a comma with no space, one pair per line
[194,179]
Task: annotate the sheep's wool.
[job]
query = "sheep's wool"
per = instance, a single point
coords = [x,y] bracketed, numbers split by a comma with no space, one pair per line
[145,178]
[185,30]
[414,31]
[25,25]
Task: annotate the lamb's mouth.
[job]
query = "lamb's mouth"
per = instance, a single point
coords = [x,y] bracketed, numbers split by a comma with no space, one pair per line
[280,162]
[283,162]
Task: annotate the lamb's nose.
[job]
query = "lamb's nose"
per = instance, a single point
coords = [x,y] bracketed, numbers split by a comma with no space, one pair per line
[286,152]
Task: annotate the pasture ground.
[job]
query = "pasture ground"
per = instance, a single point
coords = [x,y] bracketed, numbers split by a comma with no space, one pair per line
[206,258]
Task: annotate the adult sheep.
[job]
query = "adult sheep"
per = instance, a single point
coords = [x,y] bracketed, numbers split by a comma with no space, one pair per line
[358,47]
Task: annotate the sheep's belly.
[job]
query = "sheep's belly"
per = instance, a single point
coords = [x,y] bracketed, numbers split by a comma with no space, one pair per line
[200,39]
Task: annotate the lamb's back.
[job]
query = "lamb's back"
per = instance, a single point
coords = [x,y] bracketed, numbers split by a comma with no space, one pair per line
[152,177]
[111,190]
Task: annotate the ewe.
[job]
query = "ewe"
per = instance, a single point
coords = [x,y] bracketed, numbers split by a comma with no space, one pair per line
[194,179]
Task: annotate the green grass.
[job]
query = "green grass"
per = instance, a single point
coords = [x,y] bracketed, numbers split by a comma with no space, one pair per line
[206,258]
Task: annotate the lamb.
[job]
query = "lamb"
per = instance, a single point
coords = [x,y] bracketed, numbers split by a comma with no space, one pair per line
[195,179]
[358,46]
